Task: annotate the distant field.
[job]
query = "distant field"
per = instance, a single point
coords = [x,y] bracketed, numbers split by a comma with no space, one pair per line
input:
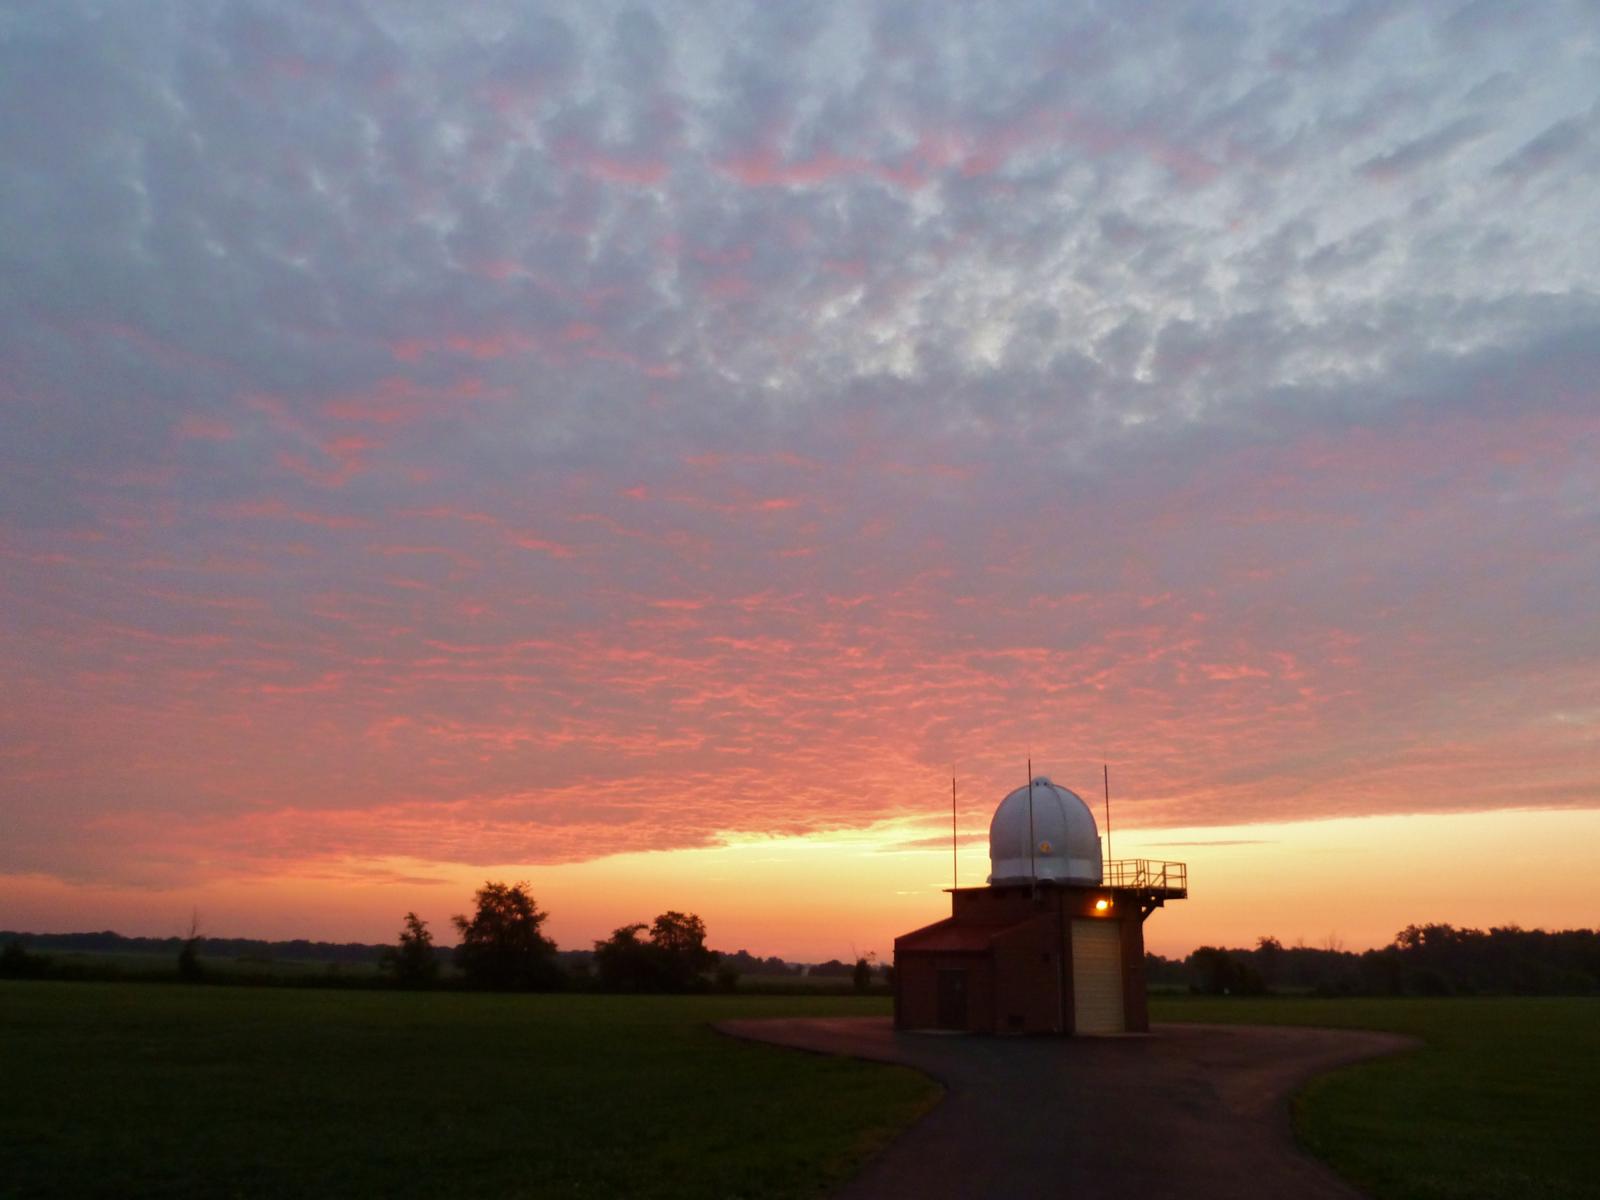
[133,964]
[1499,1103]
[808,985]
[123,1089]
[139,965]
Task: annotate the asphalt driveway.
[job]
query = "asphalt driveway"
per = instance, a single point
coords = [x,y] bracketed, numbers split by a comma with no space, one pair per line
[1192,1111]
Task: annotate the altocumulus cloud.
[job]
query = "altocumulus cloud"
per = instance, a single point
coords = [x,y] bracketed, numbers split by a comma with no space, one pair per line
[488,432]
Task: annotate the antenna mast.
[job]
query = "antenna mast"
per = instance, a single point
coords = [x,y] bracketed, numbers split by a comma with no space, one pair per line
[955,874]
[1106,773]
[1033,870]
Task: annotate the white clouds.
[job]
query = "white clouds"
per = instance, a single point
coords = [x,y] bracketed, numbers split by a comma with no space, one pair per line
[274,279]
[736,196]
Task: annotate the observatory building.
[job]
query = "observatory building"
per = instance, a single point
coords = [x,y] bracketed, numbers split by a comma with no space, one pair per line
[1053,944]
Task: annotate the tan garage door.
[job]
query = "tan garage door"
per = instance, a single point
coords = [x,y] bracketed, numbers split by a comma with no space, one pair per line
[1097,976]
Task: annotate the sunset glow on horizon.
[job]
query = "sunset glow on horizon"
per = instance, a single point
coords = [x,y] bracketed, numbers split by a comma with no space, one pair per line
[650,457]
[1352,883]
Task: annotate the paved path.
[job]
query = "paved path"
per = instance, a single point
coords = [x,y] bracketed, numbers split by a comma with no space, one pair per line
[1192,1111]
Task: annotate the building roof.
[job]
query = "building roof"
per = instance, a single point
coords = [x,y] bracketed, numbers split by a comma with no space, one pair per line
[955,936]
[948,937]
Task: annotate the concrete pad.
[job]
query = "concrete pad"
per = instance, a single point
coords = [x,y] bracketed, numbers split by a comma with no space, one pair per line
[1196,1111]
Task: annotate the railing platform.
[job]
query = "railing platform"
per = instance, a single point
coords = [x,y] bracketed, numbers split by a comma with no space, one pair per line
[1158,880]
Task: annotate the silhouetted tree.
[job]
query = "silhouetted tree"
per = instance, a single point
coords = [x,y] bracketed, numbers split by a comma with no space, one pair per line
[745,963]
[17,963]
[503,945]
[679,939]
[189,968]
[861,975]
[1269,958]
[623,962]
[1439,959]
[1215,972]
[412,959]
[1381,972]
[673,958]
[1427,982]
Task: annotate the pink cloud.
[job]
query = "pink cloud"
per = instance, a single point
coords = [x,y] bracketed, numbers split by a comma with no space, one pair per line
[610,166]
[279,510]
[205,429]
[553,549]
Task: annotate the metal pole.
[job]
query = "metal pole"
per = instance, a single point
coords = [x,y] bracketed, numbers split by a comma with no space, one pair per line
[1106,771]
[955,874]
[1033,869]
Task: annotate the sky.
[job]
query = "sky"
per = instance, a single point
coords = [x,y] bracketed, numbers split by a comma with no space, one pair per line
[648,451]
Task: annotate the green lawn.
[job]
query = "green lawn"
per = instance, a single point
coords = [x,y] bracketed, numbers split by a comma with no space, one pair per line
[1500,1102]
[146,1089]
[138,1089]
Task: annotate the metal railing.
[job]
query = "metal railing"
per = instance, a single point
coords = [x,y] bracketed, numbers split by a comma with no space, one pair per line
[1144,873]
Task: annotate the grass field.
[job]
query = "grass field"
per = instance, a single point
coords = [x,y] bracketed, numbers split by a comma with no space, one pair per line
[123,1089]
[1500,1101]
[143,1089]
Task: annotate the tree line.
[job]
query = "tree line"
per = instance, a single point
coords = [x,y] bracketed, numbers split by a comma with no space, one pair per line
[247,949]
[502,946]
[1421,960]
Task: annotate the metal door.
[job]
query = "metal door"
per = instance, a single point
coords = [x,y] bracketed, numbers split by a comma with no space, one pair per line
[1097,976]
[952,998]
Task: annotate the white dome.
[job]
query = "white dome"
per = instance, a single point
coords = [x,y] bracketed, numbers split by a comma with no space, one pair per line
[1066,842]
